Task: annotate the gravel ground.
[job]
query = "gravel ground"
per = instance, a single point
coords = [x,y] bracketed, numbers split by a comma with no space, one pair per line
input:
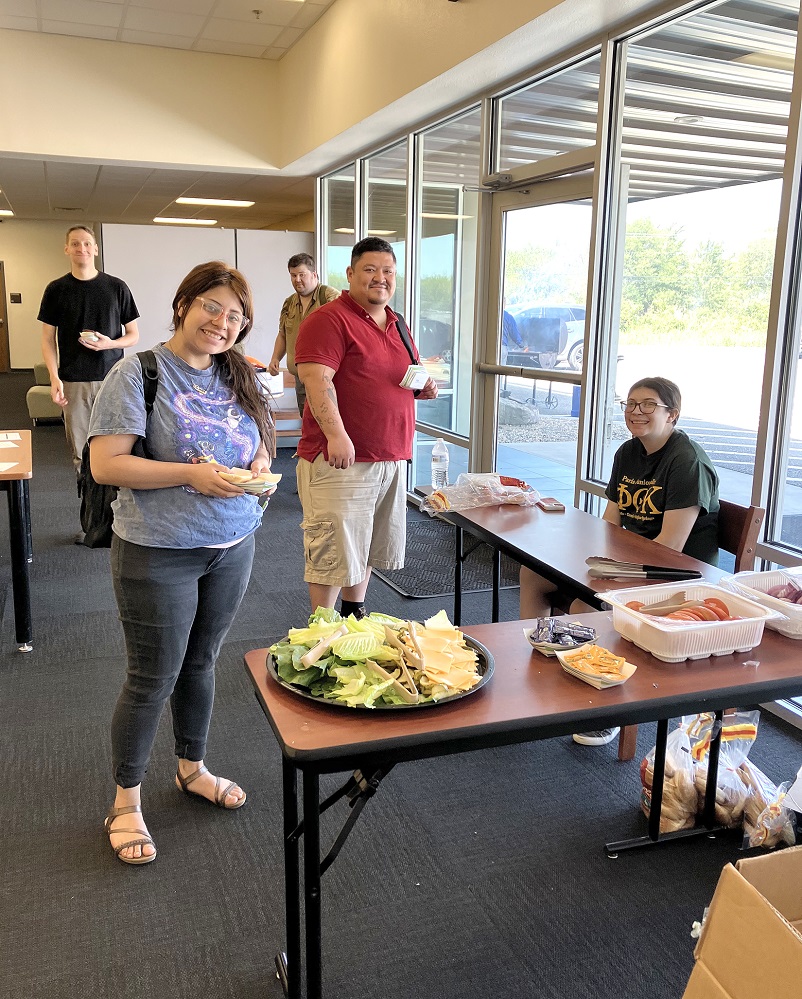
[551,428]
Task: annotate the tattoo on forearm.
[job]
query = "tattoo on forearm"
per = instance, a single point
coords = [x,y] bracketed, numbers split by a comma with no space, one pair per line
[326,413]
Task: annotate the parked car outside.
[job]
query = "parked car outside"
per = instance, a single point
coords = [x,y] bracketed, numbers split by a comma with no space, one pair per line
[538,324]
[435,340]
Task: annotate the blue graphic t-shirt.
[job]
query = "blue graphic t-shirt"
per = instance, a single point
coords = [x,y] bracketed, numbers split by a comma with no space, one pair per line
[195,416]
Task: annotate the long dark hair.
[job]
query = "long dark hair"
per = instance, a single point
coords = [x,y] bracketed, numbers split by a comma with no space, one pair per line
[237,373]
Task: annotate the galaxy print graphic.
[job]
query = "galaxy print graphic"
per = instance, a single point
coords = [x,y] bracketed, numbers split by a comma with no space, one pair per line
[213,426]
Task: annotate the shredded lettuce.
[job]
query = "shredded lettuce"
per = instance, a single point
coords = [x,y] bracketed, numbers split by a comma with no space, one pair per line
[327,615]
[344,673]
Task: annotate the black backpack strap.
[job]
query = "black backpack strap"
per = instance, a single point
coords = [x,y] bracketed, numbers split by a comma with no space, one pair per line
[150,377]
[403,331]
[150,382]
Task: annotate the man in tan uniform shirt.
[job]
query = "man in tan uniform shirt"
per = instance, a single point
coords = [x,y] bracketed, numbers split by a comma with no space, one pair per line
[309,295]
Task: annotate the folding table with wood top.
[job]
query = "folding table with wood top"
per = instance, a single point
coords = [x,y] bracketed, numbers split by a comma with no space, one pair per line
[15,473]
[528,698]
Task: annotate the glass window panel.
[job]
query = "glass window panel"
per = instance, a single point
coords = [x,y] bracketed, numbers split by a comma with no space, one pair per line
[544,274]
[338,196]
[386,208]
[555,115]
[789,474]
[448,177]
[705,112]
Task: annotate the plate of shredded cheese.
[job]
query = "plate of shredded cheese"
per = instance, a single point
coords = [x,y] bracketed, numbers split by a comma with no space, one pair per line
[596,666]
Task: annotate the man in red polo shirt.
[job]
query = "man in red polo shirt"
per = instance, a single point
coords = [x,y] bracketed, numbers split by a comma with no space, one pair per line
[357,433]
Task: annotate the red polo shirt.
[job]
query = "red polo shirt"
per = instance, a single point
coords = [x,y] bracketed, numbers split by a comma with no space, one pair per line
[369,363]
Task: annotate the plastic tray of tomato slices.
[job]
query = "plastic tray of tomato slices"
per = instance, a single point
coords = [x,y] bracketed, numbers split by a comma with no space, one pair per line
[674,641]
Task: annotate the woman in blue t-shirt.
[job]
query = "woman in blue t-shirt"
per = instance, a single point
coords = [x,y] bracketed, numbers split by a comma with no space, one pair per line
[183,536]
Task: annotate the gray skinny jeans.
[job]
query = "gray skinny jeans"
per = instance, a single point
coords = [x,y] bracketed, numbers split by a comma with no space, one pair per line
[176,607]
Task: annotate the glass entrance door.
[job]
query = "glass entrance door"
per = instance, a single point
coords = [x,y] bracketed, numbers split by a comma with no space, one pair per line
[540,244]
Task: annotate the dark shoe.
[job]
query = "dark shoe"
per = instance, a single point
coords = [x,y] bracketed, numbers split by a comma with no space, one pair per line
[220,795]
[143,838]
[599,738]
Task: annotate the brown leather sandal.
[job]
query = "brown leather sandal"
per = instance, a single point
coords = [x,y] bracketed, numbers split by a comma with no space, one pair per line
[144,839]
[219,795]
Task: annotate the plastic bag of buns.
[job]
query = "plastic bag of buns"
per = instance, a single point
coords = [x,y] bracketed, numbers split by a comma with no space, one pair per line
[678,810]
[475,489]
[738,734]
[767,822]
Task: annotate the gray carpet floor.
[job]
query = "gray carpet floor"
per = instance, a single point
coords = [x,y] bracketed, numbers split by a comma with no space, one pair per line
[429,562]
[466,876]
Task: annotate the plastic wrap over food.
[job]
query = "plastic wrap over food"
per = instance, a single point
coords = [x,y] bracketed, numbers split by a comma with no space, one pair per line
[475,489]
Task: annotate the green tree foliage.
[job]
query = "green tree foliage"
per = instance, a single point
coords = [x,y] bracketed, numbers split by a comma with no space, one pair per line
[657,277]
[700,295]
[436,295]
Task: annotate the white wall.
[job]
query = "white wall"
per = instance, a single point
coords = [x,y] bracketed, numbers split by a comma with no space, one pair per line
[32,255]
[153,260]
[262,257]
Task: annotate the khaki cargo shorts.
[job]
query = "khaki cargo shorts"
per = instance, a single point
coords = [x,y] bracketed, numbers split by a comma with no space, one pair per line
[353,518]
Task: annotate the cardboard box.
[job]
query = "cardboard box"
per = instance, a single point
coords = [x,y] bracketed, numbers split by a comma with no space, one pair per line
[751,942]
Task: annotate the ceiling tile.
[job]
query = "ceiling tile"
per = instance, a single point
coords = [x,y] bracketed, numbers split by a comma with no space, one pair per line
[273,11]
[18,23]
[79,30]
[275,52]
[163,21]
[200,7]
[309,13]
[229,48]
[289,36]
[164,41]
[241,31]
[82,12]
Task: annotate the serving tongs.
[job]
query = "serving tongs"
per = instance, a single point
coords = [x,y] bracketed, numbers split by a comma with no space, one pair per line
[610,568]
[677,601]
[404,684]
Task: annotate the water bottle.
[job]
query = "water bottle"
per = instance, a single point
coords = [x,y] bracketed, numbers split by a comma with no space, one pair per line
[439,464]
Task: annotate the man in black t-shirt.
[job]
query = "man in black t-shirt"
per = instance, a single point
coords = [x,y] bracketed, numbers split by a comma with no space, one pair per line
[87,318]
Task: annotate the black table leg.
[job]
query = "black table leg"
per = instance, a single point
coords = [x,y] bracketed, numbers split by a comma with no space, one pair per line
[19,525]
[658,779]
[496,584]
[458,539]
[709,810]
[312,900]
[288,966]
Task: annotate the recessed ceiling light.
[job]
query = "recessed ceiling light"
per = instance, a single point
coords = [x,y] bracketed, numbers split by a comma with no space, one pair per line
[214,201]
[348,232]
[688,119]
[381,232]
[169,221]
[6,211]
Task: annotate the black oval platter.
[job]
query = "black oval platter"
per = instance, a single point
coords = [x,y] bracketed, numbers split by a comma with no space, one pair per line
[485,667]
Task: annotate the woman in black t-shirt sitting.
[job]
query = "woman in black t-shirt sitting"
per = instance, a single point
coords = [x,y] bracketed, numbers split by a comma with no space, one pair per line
[663,486]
